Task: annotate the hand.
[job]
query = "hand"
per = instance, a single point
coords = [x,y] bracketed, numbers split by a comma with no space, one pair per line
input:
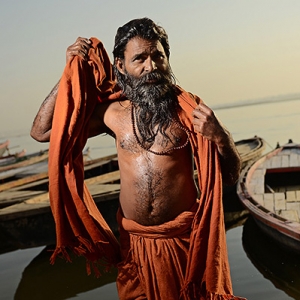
[81,48]
[207,124]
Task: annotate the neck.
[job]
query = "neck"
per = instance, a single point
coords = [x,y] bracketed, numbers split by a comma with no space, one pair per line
[147,144]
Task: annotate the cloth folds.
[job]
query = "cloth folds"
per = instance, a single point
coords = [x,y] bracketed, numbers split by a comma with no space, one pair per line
[153,257]
[80,226]
[207,272]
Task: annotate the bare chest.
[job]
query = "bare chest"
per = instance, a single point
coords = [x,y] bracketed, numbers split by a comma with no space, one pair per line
[129,139]
[154,176]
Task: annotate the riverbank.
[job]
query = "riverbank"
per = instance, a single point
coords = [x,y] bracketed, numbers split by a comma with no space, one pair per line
[276,122]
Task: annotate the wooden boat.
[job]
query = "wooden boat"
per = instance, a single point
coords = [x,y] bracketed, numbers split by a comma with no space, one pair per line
[250,149]
[234,213]
[270,190]
[25,187]
[29,222]
[26,219]
[11,158]
[4,147]
[27,165]
[23,164]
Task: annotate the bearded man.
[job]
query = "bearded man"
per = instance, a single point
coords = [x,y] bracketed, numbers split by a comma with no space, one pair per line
[171,234]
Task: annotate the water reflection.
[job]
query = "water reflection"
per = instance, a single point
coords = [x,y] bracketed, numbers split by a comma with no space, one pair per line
[234,213]
[276,264]
[40,280]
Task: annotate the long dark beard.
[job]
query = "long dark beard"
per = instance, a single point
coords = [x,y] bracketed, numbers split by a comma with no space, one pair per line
[154,103]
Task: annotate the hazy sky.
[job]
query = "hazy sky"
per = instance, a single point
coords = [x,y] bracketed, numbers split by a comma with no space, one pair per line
[224,51]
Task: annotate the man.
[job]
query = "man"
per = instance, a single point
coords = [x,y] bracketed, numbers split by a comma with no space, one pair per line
[154,140]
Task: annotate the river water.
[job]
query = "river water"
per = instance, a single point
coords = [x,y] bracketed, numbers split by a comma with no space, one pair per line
[259,268]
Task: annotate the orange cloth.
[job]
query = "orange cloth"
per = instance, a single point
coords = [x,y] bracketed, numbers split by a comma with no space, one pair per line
[207,272]
[154,258]
[79,224]
[193,264]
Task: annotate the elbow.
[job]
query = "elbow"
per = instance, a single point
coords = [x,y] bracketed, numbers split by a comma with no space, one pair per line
[40,137]
[234,178]
[232,175]
[230,180]
[236,172]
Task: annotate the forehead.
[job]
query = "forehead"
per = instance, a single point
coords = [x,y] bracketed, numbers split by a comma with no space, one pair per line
[138,45]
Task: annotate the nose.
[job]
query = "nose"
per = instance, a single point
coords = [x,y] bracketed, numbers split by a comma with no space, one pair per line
[150,65]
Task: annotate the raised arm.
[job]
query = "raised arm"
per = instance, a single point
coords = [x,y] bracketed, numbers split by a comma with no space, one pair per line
[41,127]
[206,123]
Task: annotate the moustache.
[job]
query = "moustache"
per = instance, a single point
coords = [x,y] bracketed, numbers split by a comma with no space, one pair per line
[154,78]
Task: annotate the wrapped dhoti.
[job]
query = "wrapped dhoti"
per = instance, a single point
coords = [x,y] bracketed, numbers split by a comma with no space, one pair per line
[154,257]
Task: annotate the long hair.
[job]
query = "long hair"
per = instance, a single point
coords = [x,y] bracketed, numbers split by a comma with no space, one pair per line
[156,104]
[144,28]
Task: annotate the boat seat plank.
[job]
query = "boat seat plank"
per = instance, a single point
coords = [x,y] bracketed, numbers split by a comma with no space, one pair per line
[291,196]
[103,188]
[291,215]
[99,188]
[17,195]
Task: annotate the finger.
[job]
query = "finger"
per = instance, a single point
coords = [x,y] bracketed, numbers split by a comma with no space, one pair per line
[76,52]
[203,111]
[199,114]
[88,41]
[84,42]
[84,49]
[199,120]
[203,108]
[81,49]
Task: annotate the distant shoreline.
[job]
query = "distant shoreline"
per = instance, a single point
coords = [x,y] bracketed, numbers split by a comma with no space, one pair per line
[274,99]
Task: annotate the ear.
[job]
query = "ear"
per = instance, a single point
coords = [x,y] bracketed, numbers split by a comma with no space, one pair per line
[120,65]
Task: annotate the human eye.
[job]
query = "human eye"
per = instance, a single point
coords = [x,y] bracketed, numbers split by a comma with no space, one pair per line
[159,56]
[139,58]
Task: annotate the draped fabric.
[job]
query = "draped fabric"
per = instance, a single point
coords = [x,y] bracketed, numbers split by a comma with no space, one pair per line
[79,224]
[81,228]
[207,272]
[154,258]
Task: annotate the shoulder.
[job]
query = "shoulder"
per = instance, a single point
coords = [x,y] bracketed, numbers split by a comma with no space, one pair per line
[116,110]
[116,117]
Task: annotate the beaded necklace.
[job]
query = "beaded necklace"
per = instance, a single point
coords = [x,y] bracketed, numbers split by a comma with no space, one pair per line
[164,152]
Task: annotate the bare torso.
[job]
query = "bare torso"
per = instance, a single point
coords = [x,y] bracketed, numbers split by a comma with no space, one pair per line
[154,188]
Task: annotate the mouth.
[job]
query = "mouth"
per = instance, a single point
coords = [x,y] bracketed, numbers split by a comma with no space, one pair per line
[151,81]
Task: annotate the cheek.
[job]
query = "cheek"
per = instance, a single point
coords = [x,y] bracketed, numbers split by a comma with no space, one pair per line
[135,70]
[164,66]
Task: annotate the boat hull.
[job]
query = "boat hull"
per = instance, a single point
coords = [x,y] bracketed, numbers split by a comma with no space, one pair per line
[26,221]
[269,207]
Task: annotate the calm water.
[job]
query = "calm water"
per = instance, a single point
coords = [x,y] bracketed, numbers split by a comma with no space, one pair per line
[259,268]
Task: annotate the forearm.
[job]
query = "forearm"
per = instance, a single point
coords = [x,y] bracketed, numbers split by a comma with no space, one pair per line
[207,124]
[41,127]
[229,159]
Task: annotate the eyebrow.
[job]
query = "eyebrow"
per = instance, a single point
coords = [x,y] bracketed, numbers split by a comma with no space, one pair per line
[138,55]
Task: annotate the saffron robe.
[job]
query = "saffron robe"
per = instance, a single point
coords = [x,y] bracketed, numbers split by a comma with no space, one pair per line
[154,257]
[79,224]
